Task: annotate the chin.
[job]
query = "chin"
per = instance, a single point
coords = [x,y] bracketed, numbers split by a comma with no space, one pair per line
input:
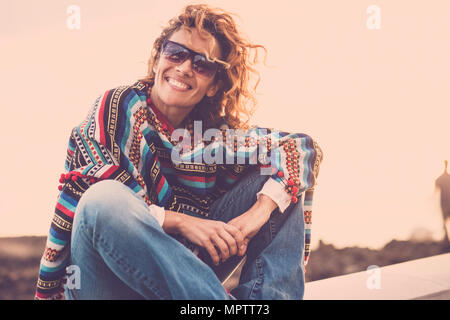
[179,102]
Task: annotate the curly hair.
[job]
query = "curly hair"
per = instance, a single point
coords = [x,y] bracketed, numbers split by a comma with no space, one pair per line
[235,98]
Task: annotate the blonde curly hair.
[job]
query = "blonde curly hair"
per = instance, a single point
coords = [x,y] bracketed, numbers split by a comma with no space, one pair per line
[235,98]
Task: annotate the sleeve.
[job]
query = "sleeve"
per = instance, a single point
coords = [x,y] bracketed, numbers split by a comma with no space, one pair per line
[158,212]
[290,159]
[294,163]
[276,192]
[93,154]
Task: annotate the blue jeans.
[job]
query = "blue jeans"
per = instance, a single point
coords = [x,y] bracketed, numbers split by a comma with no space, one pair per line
[123,253]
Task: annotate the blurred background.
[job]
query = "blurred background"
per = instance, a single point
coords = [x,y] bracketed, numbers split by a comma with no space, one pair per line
[369,80]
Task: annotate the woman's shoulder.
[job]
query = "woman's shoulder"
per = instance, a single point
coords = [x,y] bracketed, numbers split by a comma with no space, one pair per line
[120,99]
[116,104]
[123,91]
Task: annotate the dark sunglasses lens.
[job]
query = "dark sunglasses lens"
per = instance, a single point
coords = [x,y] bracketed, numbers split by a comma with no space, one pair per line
[178,54]
[203,66]
[175,53]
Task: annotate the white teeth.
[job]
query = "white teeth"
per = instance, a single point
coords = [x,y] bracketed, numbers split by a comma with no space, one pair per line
[178,83]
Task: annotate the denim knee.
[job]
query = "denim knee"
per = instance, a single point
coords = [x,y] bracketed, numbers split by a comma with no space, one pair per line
[256,176]
[108,202]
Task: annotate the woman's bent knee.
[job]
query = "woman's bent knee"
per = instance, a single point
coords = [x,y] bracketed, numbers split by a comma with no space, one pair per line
[107,201]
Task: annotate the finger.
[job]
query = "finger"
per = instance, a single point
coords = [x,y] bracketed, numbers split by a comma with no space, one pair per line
[243,248]
[238,236]
[231,242]
[212,252]
[223,247]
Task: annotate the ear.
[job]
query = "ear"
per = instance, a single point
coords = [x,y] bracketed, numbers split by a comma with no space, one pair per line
[213,88]
[155,64]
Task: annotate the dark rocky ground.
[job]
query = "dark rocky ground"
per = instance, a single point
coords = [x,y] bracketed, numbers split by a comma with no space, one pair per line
[19,261]
[19,266]
[327,261]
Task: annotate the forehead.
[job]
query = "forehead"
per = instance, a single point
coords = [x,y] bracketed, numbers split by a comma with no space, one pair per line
[192,39]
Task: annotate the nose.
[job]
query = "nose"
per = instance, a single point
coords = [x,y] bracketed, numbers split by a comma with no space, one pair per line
[185,68]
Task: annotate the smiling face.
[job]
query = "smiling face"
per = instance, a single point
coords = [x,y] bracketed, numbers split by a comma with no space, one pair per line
[177,85]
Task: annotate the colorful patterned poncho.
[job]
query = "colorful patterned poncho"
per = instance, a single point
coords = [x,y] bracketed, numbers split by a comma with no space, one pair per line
[125,139]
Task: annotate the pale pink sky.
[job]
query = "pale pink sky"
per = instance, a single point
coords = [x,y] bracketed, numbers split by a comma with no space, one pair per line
[377,101]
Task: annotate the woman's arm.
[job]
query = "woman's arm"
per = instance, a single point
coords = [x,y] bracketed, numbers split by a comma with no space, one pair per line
[171,222]
[251,221]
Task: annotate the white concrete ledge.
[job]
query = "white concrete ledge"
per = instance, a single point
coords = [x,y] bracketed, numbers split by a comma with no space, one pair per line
[427,278]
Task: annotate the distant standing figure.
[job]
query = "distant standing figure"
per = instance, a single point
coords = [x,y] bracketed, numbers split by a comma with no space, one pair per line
[443,183]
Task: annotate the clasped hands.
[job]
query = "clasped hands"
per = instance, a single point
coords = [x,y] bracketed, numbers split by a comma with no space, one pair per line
[222,240]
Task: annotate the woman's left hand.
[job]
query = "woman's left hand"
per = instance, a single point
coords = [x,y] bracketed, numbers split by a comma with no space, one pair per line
[251,221]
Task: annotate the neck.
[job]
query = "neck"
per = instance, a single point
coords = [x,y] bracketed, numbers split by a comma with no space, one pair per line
[175,115]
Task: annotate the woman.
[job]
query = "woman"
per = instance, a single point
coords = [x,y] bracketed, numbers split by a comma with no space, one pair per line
[139,225]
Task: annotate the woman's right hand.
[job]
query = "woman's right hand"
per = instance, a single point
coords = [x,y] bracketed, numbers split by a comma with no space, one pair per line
[220,239]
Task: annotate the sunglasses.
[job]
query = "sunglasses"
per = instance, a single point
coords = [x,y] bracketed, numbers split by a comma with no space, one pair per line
[177,53]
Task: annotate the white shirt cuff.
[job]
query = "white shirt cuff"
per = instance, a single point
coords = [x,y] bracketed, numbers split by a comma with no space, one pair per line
[275,191]
[159,213]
